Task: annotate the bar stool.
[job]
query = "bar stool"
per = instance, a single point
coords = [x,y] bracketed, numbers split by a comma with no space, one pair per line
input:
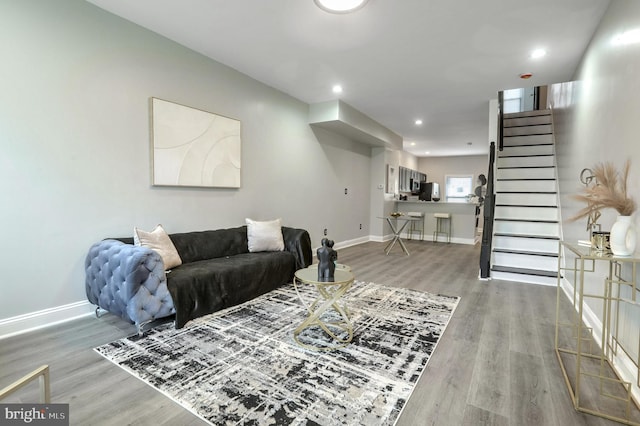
[440,226]
[416,225]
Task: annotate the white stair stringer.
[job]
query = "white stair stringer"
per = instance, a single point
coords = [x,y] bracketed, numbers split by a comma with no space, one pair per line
[526,227]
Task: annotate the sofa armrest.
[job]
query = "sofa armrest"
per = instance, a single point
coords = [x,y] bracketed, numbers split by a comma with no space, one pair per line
[298,242]
[128,281]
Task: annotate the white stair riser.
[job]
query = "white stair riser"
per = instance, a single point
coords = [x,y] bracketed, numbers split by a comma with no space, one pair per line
[529,279]
[527,130]
[533,213]
[527,199]
[527,114]
[526,228]
[526,185]
[530,244]
[544,263]
[528,150]
[527,140]
[535,173]
[525,161]
[526,121]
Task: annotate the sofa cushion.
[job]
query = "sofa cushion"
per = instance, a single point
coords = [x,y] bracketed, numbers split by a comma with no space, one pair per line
[264,235]
[158,240]
[205,286]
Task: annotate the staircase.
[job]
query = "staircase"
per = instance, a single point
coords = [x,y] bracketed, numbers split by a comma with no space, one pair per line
[526,226]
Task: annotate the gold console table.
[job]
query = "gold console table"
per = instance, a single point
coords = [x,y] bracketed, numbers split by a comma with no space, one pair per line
[589,357]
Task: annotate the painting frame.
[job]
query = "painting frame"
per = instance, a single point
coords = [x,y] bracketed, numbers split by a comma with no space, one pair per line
[192,147]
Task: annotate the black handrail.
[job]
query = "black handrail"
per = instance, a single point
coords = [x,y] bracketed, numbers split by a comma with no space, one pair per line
[500,120]
[487,225]
[536,98]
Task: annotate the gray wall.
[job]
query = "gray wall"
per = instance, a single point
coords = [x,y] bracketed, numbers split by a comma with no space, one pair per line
[437,168]
[74,129]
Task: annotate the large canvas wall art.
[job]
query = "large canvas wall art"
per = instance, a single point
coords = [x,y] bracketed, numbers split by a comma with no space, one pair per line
[191,147]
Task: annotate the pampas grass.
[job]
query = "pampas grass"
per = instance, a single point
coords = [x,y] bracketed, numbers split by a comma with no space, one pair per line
[610,191]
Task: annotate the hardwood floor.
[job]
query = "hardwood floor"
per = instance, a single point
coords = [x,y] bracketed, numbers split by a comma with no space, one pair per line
[495,364]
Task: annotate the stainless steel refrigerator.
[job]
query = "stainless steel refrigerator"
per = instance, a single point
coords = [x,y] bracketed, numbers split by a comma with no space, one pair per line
[429,191]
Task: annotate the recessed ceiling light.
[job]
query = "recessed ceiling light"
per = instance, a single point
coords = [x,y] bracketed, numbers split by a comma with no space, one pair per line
[412,144]
[337,89]
[340,6]
[538,53]
[427,152]
[418,122]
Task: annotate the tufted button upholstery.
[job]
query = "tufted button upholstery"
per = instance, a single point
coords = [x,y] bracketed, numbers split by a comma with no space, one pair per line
[128,281]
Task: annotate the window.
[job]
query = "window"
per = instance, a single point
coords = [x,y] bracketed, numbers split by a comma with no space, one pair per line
[512,101]
[457,188]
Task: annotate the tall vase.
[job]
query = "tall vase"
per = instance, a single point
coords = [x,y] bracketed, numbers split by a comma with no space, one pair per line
[623,237]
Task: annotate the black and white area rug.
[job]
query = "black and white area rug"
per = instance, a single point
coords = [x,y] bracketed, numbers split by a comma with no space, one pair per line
[241,365]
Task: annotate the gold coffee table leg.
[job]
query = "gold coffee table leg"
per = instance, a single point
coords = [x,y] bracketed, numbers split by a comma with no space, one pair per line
[330,295]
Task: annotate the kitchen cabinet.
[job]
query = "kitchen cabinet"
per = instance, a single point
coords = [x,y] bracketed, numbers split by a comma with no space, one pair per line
[406,176]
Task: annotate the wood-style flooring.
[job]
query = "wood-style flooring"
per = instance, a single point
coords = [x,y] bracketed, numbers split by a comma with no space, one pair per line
[495,364]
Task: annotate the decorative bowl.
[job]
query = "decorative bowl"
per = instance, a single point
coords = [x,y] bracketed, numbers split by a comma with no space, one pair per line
[395,214]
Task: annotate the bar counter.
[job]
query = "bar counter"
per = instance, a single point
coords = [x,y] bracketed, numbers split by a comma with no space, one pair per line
[463,219]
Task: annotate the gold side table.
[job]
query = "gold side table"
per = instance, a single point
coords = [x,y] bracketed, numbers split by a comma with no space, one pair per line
[587,354]
[329,295]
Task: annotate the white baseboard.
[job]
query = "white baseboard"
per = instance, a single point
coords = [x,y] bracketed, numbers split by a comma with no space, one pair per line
[443,239]
[349,243]
[455,240]
[45,318]
[380,239]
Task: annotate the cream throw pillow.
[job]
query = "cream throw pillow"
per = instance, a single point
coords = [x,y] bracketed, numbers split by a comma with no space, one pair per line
[159,241]
[265,235]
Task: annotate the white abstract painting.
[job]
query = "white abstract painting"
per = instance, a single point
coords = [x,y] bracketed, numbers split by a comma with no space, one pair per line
[191,147]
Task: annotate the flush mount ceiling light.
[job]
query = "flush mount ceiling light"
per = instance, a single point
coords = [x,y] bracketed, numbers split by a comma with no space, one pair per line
[337,89]
[538,53]
[418,122]
[340,6]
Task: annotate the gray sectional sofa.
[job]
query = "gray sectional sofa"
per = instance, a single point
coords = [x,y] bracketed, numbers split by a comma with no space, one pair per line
[217,271]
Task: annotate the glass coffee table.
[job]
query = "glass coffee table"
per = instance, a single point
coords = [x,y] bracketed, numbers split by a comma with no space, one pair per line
[326,311]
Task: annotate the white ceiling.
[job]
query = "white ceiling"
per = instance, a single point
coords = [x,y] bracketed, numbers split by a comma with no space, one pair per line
[398,60]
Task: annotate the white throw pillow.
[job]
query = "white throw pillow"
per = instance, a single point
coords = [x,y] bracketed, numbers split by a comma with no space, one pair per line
[159,241]
[265,235]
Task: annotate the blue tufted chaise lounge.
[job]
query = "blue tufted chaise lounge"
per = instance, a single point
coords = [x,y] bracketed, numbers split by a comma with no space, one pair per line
[217,271]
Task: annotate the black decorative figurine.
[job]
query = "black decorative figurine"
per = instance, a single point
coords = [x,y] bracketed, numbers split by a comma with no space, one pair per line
[327,257]
[481,191]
